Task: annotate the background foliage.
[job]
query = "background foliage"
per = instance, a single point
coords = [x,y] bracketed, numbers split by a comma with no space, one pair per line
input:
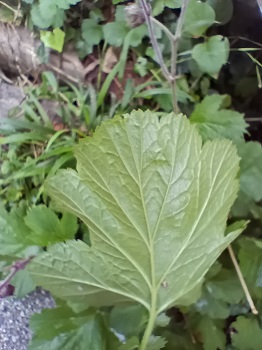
[219,82]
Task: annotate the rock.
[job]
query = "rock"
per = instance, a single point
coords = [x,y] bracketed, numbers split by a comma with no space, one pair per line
[15,313]
[10,97]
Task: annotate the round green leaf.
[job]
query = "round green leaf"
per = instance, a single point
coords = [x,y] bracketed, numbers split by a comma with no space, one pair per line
[115,33]
[212,54]
[223,9]
[199,16]
[92,32]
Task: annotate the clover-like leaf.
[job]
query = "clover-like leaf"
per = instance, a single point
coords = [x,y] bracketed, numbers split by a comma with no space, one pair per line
[156,202]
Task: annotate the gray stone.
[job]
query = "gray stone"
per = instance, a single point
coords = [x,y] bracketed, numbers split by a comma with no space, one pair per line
[15,313]
[11,96]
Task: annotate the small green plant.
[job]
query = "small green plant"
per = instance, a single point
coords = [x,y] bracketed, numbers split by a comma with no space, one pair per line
[156,201]
[140,276]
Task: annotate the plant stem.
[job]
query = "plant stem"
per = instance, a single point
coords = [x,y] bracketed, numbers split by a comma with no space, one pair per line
[148,18]
[242,281]
[176,39]
[17,266]
[150,324]
[168,33]
[170,76]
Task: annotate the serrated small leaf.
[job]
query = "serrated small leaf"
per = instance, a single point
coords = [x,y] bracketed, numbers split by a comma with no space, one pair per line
[213,121]
[46,228]
[156,343]
[13,232]
[71,332]
[149,186]
[248,335]
[199,16]
[212,333]
[212,54]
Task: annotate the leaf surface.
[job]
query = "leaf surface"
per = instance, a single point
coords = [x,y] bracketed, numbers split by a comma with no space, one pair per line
[46,228]
[156,203]
[212,54]
[251,169]
[213,121]
[13,232]
[212,333]
[199,16]
[72,331]
[249,334]
[159,5]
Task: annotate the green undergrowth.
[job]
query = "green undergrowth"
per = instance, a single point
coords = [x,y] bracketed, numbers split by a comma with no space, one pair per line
[123,209]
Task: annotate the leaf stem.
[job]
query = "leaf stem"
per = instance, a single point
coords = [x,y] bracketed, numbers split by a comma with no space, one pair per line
[150,324]
[242,281]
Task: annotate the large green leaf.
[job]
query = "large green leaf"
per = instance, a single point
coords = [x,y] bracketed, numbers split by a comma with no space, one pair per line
[156,202]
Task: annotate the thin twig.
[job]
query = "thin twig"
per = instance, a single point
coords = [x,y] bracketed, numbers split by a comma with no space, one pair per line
[148,18]
[176,39]
[242,281]
[169,34]
[17,266]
